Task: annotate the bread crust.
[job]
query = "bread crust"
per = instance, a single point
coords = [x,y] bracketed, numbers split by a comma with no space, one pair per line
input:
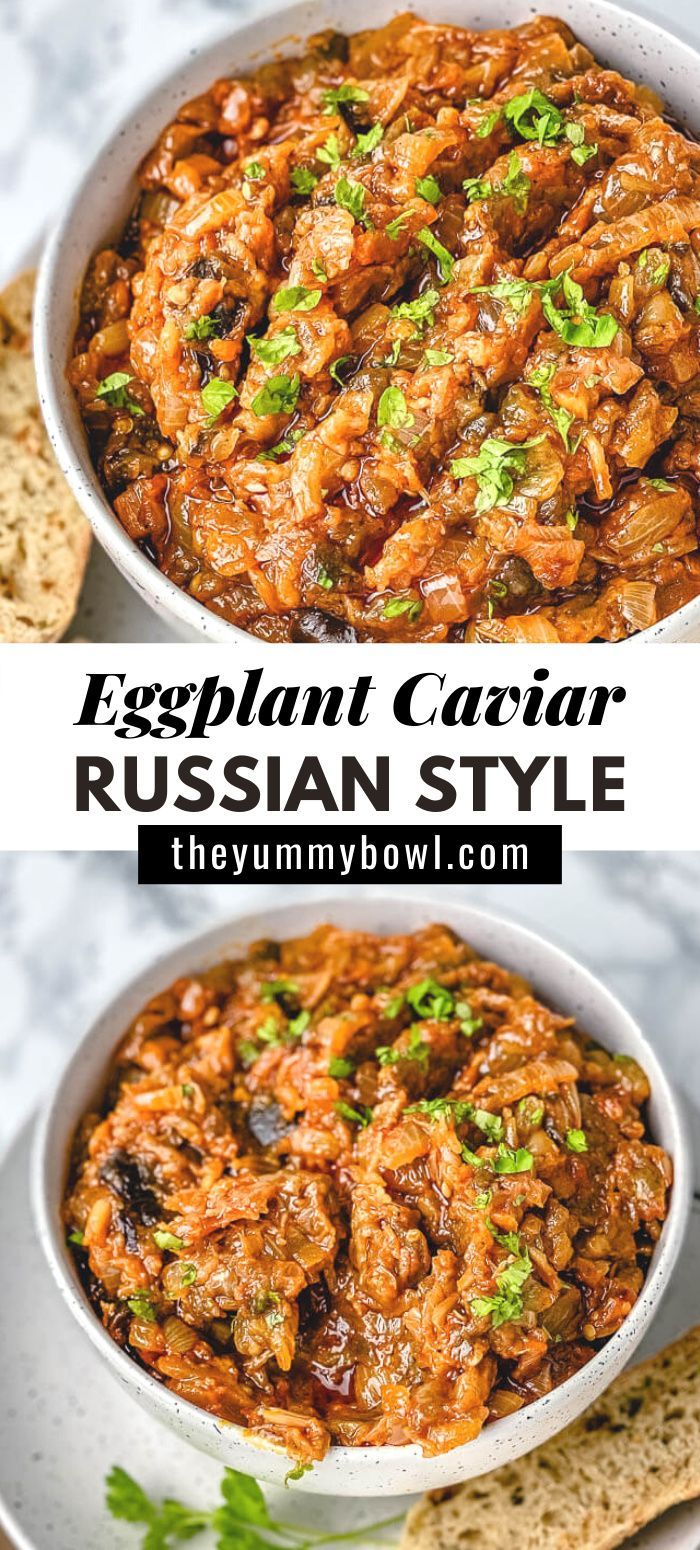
[634,1454]
[44,537]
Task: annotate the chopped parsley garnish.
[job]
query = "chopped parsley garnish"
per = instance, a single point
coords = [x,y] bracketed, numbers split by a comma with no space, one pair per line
[324,579]
[468,1025]
[412,607]
[113,390]
[509,1161]
[303,180]
[392,359]
[534,117]
[429,188]
[318,270]
[421,311]
[531,1111]
[254,172]
[416,1049]
[206,327]
[517,294]
[329,153]
[351,196]
[142,1307]
[493,468]
[368,142]
[660,484]
[394,227]
[340,1067]
[276,348]
[540,379]
[77,1237]
[445,261]
[360,1116]
[580,152]
[336,95]
[278,396]
[188,1275]
[488,124]
[287,444]
[393,410]
[429,999]
[167,1240]
[516,183]
[571,520]
[216,396]
[577,323]
[696,304]
[477,188]
[576,1140]
[490,1125]
[298,1025]
[438,357]
[295,298]
[241,1520]
[507,1304]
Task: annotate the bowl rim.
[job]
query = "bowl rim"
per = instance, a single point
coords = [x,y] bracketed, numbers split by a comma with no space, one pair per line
[157,589]
[203,947]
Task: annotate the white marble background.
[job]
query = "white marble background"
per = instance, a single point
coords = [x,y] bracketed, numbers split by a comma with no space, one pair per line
[73,927]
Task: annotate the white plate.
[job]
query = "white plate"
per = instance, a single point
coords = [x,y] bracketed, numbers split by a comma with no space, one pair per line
[64,1420]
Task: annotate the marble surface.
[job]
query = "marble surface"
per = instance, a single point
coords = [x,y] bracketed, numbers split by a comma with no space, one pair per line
[71,68]
[74,926]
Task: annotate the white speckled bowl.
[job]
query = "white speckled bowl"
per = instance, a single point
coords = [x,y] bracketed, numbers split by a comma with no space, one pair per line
[368,1471]
[101,203]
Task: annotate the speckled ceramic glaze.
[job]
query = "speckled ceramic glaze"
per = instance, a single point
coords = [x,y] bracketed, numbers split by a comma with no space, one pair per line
[369,1471]
[632,44]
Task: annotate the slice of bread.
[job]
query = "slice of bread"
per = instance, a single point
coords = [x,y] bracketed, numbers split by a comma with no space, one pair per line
[634,1454]
[44,537]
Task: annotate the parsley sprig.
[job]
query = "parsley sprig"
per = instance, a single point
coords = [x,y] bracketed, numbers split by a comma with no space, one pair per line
[495,467]
[241,1521]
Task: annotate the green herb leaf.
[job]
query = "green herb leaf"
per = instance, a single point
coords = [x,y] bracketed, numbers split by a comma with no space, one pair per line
[416,1049]
[329,153]
[394,1006]
[299,1024]
[540,379]
[278,396]
[254,172]
[295,298]
[571,520]
[324,579]
[361,1116]
[215,398]
[421,311]
[518,294]
[660,484]
[508,1302]
[340,1067]
[494,468]
[438,357]
[188,1275]
[393,410]
[303,180]
[394,228]
[141,1306]
[206,327]
[578,323]
[576,1140]
[477,188]
[516,184]
[77,1237]
[167,1240]
[336,95]
[445,260]
[368,142]
[428,999]
[534,117]
[297,1473]
[319,270]
[272,989]
[396,606]
[276,348]
[509,1161]
[581,153]
[429,188]
[113,390]
[287,444]
[351,196]
[488,124]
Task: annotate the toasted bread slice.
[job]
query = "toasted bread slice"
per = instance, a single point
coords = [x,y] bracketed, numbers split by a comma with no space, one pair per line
[44,537]
[635,1453]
